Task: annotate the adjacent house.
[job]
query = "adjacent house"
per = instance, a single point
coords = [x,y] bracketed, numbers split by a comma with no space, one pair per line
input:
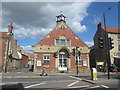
[24,57]
[9,56]
[99,53]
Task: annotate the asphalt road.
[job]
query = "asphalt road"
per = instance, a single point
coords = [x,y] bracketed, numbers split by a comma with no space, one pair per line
[52,82]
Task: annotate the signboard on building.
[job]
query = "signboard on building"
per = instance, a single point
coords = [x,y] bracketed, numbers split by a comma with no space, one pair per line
[84,63]
[39,63]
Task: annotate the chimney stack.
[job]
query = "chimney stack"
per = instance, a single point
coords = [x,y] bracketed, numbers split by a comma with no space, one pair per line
[100,25]
[10,27]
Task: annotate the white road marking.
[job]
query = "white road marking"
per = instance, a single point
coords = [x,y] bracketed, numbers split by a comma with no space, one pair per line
[73,83]
[80,86]
[104,86]
[75,78]
[34,85]
[94,87]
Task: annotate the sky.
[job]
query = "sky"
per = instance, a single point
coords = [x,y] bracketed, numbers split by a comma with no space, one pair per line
[33,20]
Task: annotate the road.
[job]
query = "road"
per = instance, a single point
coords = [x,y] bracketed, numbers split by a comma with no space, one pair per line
[52,82]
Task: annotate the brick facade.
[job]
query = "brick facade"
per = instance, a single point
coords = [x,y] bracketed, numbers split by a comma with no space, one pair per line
[60,56]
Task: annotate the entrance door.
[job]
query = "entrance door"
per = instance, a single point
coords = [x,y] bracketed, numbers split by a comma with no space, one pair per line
[62,62]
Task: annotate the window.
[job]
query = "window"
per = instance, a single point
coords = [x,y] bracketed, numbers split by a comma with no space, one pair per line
[118,47]
[67,42]
[118,36]
[78,59]
[46,59]
[62,42]
[57,42]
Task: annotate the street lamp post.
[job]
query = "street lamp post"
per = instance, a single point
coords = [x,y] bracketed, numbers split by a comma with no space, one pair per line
[107,46]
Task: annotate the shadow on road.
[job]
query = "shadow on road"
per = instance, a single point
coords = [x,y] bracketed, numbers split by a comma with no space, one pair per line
[18,86]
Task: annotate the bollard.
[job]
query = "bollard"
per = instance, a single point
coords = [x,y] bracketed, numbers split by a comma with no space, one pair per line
[94,73]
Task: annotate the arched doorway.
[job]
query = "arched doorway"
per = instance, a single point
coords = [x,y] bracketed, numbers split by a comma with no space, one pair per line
[63,56]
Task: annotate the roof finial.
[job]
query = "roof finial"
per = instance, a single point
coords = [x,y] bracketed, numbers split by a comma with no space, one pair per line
[11,23]
[61,11]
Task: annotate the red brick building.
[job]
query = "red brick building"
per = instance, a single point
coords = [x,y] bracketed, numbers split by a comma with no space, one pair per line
[24,57]
[54,52]
[9,59]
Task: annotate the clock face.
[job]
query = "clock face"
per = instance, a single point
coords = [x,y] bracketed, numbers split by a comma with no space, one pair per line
[62,18]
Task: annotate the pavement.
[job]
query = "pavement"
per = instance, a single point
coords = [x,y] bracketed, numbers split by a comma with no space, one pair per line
[86,76]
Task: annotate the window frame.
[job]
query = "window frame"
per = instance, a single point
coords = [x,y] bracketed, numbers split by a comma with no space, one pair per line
[56,42]
[119,48]
[118,36]
[62,42]
[78,58]
[67,42]
[47,59]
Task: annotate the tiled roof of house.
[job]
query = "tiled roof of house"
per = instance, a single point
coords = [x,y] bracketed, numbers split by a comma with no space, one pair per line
[4,35]
[114,30]
[75,40]
[22,50]
[109,29]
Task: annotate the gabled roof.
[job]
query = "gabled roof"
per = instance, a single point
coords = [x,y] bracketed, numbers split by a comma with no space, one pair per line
[66,31]
[22,51]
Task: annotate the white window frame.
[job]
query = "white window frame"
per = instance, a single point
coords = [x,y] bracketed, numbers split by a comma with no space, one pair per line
[61,42]
[58,42]
[46,60]
[78,58]
[67,42]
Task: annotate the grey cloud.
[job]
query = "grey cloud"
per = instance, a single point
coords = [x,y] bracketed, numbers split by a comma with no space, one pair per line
[25,13]
[34,16]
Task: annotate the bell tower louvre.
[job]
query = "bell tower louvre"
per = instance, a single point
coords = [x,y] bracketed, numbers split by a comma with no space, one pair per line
[54,53]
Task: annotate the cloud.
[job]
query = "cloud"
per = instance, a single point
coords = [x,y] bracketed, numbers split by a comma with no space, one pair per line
[96,19]
[37,19]
[28,49]
[90,43]
[20,31]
